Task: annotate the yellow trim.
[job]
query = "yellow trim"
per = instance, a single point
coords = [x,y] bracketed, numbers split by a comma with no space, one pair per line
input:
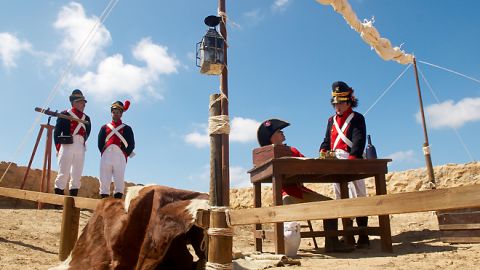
[341,94]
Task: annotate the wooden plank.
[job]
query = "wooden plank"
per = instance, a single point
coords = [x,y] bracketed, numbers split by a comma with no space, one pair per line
[420,201]
[457,237]
[459,227]
[459,218]
[265,154]
[269,235]
[85,203]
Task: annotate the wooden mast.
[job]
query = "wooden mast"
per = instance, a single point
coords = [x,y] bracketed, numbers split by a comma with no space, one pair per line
[426,146]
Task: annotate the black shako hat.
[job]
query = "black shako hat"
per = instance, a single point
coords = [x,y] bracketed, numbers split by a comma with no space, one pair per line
[77,95]
[341,92]
[267,128]
[119,105]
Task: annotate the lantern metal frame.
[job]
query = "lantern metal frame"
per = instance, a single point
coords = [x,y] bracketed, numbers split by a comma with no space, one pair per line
[210,51]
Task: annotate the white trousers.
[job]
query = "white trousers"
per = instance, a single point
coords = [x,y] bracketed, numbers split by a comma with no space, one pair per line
[112,164]
[355,188]
[70,163]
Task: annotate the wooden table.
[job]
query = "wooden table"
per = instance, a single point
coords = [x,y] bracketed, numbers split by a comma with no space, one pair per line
[288,170]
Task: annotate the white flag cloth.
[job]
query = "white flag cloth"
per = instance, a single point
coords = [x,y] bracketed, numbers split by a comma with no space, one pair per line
[369,34]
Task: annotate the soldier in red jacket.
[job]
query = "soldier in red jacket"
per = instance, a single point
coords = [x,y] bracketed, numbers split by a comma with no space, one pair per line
[270,132]
[346,136]
[116,143]
[70,137]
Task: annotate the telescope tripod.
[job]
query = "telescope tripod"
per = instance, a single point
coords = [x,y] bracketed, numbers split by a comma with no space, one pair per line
[47,159]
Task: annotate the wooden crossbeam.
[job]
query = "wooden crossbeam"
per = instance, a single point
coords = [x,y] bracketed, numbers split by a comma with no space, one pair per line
[85,203]
[410,202]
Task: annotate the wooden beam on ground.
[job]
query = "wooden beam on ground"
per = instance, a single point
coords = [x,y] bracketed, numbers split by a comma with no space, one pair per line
[85,203]
[410,202]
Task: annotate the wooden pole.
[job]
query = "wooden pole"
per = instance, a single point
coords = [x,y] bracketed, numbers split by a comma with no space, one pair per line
[224,108]
[219,246]
[220,243]
[426,146]
[69,230]
[216,194]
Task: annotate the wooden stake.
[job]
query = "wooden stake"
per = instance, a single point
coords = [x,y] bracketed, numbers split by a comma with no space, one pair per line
[216,194]
[69,230]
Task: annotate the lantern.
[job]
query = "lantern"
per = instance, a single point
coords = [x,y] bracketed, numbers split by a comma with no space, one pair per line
[210,51]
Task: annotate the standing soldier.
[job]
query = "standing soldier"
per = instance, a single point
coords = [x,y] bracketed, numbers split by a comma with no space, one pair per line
[346,135]
[70,137]
[116,144]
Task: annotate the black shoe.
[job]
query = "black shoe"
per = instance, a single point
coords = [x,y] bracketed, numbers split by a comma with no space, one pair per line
[363,242]
[73,192]
[118,195]
[104,195]
[59,191]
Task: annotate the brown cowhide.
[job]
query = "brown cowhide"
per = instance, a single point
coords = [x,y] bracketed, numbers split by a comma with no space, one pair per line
[152,234]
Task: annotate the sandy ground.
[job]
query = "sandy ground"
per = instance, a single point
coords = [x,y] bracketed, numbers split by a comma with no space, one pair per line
[29,239]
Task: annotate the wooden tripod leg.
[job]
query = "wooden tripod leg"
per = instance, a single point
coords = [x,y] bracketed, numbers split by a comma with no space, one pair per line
[39,136]
[47,160]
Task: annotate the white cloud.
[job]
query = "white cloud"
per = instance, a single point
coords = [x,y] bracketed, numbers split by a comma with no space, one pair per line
[113,77]
[76,27]
[403,156]
[198,139]
[254,16]
[280,5]
[10,49]
[242,130]
[239,177]
[452,115]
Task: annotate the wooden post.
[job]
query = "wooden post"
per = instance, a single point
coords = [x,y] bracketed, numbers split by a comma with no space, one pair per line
[426,146]
[224,109]
[219,246]
[69,231]
[216,194]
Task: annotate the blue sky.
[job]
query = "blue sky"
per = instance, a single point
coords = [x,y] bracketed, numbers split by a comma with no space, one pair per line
[283,57]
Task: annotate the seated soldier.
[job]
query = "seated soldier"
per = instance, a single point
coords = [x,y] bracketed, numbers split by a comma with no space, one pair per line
[270,132]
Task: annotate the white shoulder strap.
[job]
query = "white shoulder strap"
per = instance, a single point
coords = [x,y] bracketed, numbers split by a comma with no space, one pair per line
[79,124]
[340,131]
[115,131]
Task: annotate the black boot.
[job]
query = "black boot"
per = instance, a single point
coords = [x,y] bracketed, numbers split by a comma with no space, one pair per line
[363,241]
[104,195]
[118,195]
[74,192]
[332,244]
[59,191]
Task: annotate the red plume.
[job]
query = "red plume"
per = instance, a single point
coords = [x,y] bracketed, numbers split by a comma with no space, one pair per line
[126,105]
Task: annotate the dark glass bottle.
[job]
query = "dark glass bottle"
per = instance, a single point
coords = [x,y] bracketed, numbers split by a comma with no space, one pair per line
[371,153]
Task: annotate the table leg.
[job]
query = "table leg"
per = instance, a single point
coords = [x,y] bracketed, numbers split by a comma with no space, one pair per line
[346,222]
[257,200]
[384,220]
[278,227]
